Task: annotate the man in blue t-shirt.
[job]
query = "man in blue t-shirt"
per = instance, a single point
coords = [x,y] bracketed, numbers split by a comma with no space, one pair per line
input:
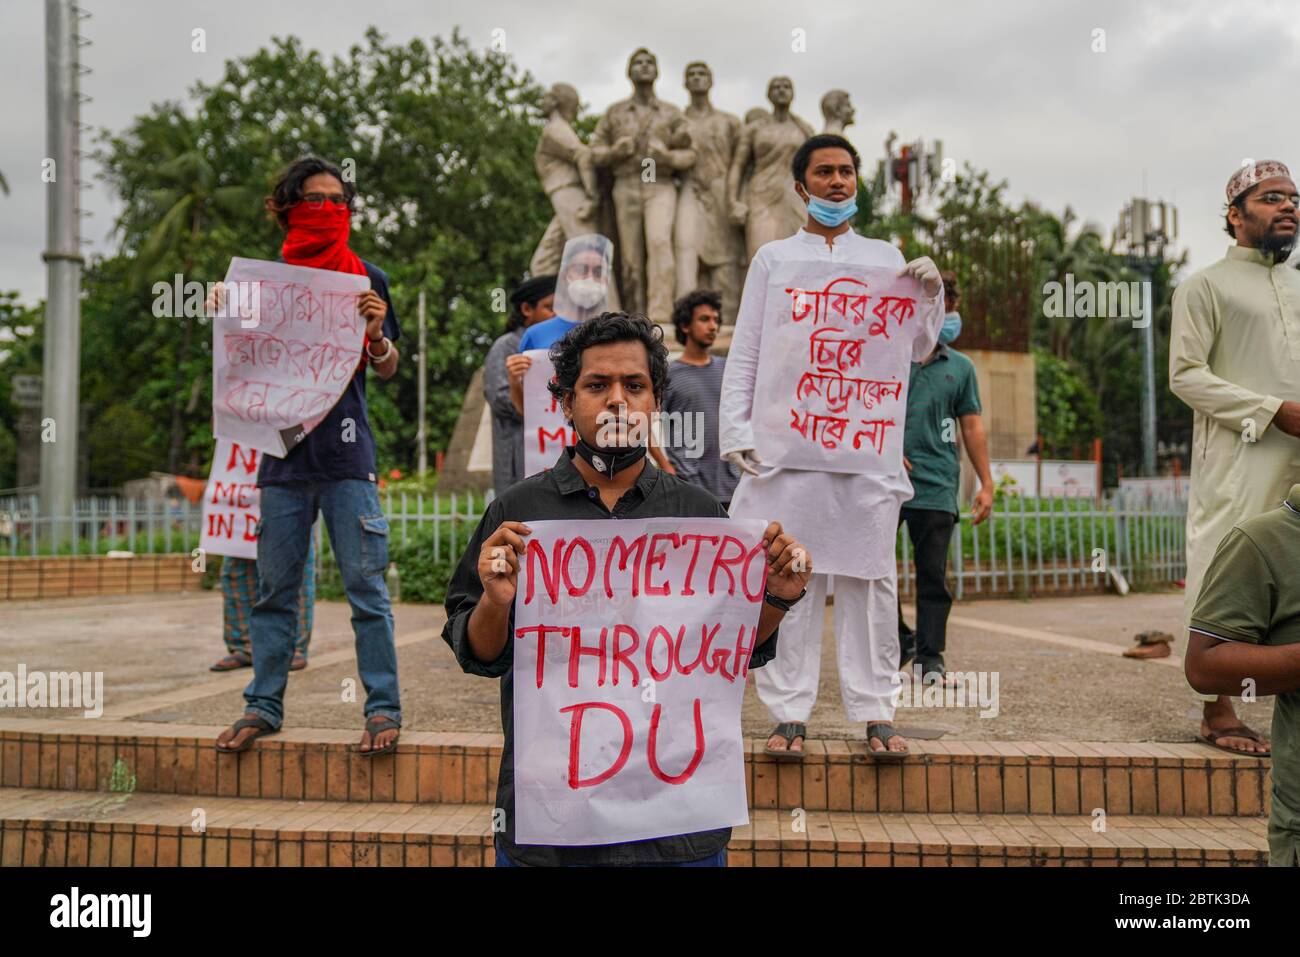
[331,472]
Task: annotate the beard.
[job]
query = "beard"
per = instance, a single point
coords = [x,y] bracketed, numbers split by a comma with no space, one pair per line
[1278,245]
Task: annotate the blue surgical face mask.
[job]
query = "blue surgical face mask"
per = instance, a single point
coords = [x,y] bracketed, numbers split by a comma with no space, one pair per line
[951,327]
[830,213]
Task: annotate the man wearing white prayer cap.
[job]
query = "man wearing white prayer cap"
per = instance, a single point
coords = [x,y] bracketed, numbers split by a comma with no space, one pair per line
[1234,357]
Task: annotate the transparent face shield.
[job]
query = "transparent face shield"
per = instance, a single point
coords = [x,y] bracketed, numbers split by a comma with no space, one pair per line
[582,286]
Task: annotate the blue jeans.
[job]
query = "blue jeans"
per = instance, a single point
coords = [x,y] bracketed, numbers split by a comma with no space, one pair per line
[717,860]
[358,534]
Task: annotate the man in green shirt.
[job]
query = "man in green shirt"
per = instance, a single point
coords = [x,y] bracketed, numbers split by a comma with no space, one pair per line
[1245,637]
[942,396]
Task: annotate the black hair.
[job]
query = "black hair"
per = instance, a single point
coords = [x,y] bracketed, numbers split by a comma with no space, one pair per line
[1240,203]
[799,165]
[608,327]
[684,309]
[288,188]
[529,292]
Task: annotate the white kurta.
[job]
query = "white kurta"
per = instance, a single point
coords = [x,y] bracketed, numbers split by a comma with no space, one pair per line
[848,522]
[1234,357]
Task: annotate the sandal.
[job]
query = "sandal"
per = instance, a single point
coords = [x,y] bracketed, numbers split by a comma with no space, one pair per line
[1240,731]
[373,727]
[882,731]
[299,663]
[231,663]
[263,729]
[788,730]
[1150,644]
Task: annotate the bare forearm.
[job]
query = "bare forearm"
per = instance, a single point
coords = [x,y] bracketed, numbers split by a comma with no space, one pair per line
[768,620]
[517,394]
[386,367]
[489,630]
[977,448]
[1223,667]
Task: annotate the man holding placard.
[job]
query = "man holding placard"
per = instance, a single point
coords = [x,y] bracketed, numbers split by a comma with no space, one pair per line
[329,467]
[814,399]
[622,657]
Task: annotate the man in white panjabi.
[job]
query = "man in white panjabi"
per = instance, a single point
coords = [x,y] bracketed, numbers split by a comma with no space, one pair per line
[848,520]
[1234,357]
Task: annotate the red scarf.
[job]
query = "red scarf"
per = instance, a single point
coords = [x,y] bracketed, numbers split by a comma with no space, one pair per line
[319,238]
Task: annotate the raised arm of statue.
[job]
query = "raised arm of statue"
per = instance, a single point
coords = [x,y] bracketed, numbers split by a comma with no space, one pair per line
[602,143]
[736,175]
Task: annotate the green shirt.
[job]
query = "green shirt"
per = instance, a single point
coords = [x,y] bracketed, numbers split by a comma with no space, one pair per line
[1252,593]
[939,393]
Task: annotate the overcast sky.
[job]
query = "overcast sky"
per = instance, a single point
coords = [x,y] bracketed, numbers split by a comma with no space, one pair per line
[1183,92]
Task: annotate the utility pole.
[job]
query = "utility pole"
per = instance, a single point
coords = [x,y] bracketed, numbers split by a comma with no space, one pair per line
[421,391]
[63,259]
[1145,229]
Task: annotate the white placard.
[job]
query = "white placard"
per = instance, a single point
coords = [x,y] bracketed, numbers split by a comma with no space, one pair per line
[231,503]
[631,647]
[546,431]
[285,347]
[832,373]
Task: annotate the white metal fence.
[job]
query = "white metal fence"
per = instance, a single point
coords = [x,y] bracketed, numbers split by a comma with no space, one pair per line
[1027,546]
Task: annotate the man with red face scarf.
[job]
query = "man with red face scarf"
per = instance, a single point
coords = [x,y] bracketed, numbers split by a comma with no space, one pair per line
[331,472]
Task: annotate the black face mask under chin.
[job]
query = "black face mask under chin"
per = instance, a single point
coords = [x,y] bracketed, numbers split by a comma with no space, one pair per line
[609,462]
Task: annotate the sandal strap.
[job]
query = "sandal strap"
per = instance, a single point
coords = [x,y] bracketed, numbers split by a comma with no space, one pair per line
[381,722]
[260,723]
[791,730]
[874,731]
[1240,731]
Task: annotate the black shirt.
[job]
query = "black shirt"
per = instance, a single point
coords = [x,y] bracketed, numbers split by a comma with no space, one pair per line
[562,493]
[327,455]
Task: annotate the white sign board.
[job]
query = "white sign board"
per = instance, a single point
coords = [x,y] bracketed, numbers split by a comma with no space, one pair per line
[1063,479]
[1016,476]
[231,503]
[285,346]
[546,431]
[832,371]
[631,646]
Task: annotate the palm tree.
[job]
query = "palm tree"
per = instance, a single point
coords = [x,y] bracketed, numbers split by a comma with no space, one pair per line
[183,197]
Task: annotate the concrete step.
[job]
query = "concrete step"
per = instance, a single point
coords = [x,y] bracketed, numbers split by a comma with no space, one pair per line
[76,828]
[939,777]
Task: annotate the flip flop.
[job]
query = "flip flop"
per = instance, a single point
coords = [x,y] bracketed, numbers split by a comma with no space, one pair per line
[1240,731]
[263,729]
[374,726]
[299,663]
[231,663]
[788,730]
[884,732]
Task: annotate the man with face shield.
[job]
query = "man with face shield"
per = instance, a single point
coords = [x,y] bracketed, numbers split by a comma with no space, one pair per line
[583,290]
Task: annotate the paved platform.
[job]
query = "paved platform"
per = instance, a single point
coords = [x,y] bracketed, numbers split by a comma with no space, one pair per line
[1060,673]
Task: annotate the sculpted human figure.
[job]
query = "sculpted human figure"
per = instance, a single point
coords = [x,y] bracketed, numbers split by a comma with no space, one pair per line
[568,177]
[707,245]
[765,203]
[644,142]
[837,111]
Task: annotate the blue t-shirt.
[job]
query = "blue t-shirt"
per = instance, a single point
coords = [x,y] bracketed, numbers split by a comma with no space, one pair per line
[325,456]
[546,333]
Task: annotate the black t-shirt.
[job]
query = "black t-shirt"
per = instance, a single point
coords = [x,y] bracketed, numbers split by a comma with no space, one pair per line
[326,454]
[562,493]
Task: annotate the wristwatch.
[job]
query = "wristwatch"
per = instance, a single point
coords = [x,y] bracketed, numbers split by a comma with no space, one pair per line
[785,604]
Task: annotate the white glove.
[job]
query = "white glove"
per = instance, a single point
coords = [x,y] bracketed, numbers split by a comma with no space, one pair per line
[926,273]
[744,460]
